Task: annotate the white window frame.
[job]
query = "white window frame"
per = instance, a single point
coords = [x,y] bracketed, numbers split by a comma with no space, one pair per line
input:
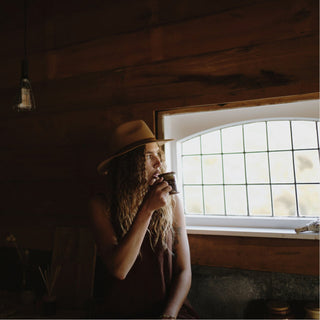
[188,124]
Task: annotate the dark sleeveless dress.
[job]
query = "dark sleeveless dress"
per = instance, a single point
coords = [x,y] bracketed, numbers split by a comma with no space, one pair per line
[143,293]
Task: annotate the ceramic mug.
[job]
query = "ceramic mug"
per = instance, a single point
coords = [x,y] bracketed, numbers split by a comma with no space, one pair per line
[171,179]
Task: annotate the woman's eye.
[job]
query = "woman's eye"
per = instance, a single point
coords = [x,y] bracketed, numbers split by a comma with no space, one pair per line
[153,157]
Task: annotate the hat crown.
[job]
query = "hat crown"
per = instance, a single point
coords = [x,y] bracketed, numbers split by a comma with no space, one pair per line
[125,138]
[128,134]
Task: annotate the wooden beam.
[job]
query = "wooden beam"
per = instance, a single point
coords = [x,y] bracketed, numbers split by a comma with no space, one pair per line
[262,254]
[232,75]
[238,28]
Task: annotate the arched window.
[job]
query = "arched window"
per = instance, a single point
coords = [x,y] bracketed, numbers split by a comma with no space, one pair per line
[250,167]
[266,168]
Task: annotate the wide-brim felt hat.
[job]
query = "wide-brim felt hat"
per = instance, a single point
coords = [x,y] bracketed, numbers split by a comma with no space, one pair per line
[127,137]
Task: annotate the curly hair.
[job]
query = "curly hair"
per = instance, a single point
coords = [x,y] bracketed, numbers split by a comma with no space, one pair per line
[129,186]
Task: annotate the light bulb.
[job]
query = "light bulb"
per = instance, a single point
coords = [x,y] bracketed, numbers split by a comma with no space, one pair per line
[24,99]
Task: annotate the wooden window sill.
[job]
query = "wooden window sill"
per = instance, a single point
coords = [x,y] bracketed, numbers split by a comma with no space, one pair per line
[252,232]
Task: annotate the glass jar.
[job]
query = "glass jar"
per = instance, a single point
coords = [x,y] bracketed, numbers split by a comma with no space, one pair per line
[278,309]
[312,310]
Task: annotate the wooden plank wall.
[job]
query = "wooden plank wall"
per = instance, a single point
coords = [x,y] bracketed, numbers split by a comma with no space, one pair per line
[95,64]
[249,253]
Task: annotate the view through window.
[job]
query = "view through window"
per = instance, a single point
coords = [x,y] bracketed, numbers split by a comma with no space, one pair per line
[265,168]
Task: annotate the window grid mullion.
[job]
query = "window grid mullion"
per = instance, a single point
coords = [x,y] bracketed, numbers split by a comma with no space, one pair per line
[223,179]
[256,184]
[240,152]
[252,152]
[269,169]
[317,133]
[294,170]
[202,186]
[245,171]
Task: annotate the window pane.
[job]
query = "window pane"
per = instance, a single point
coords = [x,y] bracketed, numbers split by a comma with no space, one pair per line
[211,142]
[191,146]
[191,169]
[309,199]
[255,136]
[193,199]
[233,168]
[212,169]
[236,200]
[232,139]
[214,200]
[284,200]
[259,200]
[215,165]
[304,134]
[257,167]
[307,166]
[281,167]
[279,136]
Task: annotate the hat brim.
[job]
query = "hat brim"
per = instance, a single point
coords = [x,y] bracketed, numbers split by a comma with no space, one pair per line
[103,166]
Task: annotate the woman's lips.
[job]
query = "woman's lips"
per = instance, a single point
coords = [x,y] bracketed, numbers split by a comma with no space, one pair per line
[156,175]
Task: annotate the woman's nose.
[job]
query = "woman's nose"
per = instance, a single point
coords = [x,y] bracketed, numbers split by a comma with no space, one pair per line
[157,162]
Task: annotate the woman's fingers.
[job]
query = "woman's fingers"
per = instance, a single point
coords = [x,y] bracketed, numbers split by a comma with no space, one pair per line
[167,188]
[152,181]
[164,186]
[158,194]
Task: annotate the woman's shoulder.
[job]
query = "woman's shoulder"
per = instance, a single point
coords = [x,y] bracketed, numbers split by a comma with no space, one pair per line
[99,202]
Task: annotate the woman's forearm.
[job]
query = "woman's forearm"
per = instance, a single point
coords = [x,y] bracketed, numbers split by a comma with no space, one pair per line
[125,253]
[178,293]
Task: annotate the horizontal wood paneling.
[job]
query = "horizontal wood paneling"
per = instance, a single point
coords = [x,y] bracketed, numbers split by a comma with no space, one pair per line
[260,254]
[38,199]
[50,163]
[231,75]
[74,128]
[240,27]
[95,64]
[263,254]
[59,24]
[55,24]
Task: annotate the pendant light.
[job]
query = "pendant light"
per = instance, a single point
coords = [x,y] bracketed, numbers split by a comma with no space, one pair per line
[24,99]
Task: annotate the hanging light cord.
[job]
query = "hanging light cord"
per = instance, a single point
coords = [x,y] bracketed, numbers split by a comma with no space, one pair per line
[25,29]
[24,99]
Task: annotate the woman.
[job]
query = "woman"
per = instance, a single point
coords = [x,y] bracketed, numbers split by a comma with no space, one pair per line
[140,231]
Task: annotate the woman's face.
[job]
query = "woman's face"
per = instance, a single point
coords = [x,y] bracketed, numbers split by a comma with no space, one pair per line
[153,162]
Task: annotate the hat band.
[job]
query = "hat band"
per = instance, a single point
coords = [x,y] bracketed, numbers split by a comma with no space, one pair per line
[135,144]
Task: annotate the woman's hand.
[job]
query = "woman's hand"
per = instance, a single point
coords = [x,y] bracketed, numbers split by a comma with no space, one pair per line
[157,195]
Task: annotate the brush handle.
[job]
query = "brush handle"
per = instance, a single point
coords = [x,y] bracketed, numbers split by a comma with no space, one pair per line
[312,226]
[298,230]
